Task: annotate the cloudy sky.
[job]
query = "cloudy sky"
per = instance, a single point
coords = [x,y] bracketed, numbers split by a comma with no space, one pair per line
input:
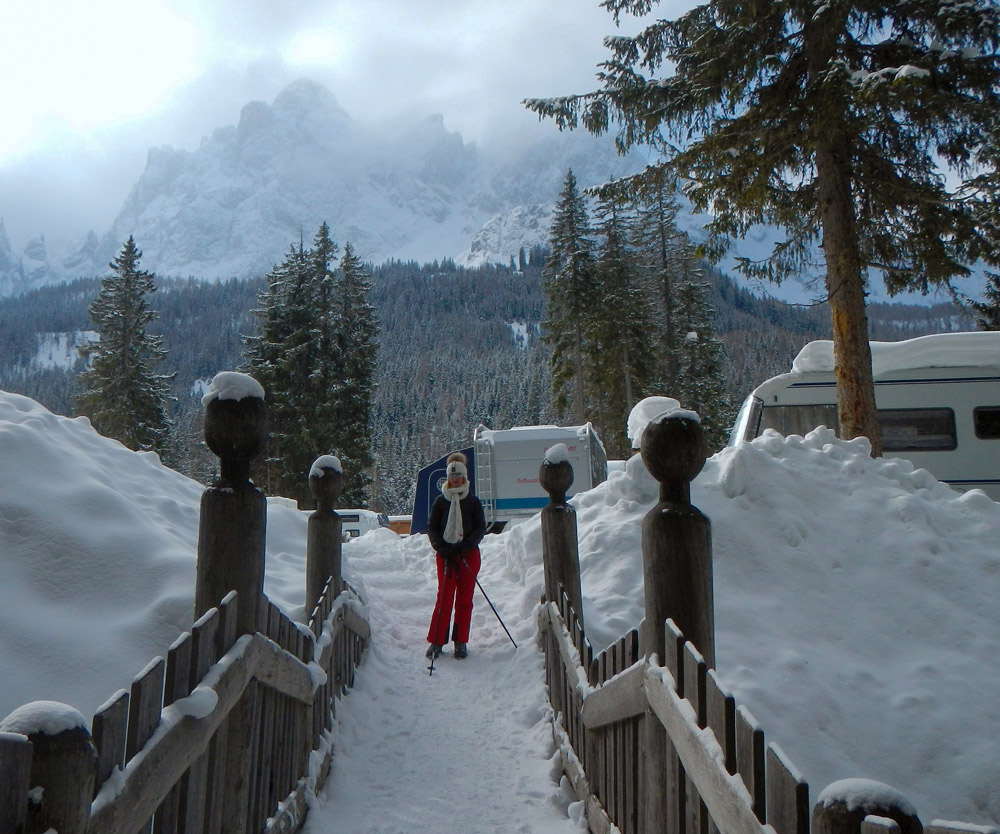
[90,87]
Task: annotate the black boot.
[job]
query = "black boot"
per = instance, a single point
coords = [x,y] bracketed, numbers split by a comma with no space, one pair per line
[461,650]
[434,650]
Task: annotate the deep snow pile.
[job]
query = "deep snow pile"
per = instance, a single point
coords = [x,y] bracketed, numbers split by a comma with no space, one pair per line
[97,558]
[855,610]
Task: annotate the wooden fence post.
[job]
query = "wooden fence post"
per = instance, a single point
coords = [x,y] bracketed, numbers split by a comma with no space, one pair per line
[677,574]
[231,538]
[560,548]
[15,770]
[676,540]
[63,766]
[233,521]
[842,807]
[324,543]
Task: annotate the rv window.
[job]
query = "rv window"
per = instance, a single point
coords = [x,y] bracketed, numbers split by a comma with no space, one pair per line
[917,429]
[987,421]
[797,419]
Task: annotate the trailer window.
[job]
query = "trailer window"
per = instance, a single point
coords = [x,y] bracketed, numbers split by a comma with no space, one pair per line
[798,419]
[987,422]
[917,429]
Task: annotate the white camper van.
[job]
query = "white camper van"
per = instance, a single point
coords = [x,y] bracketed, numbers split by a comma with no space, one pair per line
[938,400]
[507,465]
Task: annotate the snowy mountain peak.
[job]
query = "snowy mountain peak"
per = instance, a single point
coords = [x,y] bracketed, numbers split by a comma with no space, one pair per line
[405,189]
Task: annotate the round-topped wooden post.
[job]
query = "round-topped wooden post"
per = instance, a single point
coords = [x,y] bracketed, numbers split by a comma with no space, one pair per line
[62,769]
[560,548]
[676,538]
[232,528]
[324,543]
[843,806]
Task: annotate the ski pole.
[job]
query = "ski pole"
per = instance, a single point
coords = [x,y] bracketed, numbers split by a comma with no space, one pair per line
[489,601]
[437,618]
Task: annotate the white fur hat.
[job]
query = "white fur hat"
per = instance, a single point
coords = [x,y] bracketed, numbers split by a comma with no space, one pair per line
[455,468]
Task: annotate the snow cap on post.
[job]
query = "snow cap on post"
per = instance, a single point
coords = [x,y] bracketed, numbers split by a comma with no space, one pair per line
[232,385]
[556,473]
[326,481]
[644,412]
[63,764]
[843,805]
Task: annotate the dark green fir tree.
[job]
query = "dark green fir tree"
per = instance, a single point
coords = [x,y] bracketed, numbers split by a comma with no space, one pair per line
[120,392]
[622,358]
[987,311]
[358,347]
[568,282]
[836,122]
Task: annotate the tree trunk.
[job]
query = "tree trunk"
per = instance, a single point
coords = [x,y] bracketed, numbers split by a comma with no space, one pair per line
[846,296]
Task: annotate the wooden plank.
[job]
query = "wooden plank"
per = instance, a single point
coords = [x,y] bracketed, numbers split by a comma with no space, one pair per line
[177,685]
[721,714]
[674,661]
[695,671]
[632,775]
[618,699]
[108,731]
[15,770]
[203,635]
[227,634]
[145,702]
[177,680]
[787,794]
[726,799]
[750,759]
[198,793]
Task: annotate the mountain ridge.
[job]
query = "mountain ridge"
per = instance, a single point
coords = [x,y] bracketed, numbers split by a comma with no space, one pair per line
[403,191]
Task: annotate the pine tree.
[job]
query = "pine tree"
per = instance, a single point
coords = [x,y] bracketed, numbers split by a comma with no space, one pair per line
[988,310]
[358,340]
[701,384]
[657,240]
[279,359]
[621,354]
[315,356]
[121,395]
[830,120]
[568,283]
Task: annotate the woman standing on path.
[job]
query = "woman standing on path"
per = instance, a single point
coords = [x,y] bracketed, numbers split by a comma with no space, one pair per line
[455,528]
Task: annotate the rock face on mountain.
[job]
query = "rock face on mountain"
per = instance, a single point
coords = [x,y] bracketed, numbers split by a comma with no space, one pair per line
[234,206]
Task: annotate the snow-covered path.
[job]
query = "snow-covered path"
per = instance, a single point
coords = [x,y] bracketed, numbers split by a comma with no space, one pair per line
[468,749]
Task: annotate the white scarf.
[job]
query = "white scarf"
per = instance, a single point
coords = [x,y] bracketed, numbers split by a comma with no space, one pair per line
[453,530]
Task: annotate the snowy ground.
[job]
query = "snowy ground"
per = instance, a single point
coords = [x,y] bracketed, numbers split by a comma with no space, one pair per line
[467,749]
[856,615]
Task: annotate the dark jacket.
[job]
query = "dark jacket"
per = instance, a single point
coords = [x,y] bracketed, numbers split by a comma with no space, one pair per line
[473,525]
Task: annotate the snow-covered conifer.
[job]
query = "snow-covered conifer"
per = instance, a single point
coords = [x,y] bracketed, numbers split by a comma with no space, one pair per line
[120,393]
[568,282]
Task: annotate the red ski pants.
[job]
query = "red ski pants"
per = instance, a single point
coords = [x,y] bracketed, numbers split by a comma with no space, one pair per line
[455,589]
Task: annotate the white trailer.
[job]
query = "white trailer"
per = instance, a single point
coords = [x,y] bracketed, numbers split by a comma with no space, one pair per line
[507,463]
[938,401]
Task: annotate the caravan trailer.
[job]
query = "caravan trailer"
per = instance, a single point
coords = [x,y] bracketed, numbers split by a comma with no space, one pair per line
[938,401]
[503,471]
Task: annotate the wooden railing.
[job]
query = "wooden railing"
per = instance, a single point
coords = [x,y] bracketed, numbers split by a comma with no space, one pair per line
[161,748]
[650,738]
[231,731]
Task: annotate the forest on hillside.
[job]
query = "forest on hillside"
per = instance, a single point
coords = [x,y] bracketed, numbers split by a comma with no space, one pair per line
[457,347]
